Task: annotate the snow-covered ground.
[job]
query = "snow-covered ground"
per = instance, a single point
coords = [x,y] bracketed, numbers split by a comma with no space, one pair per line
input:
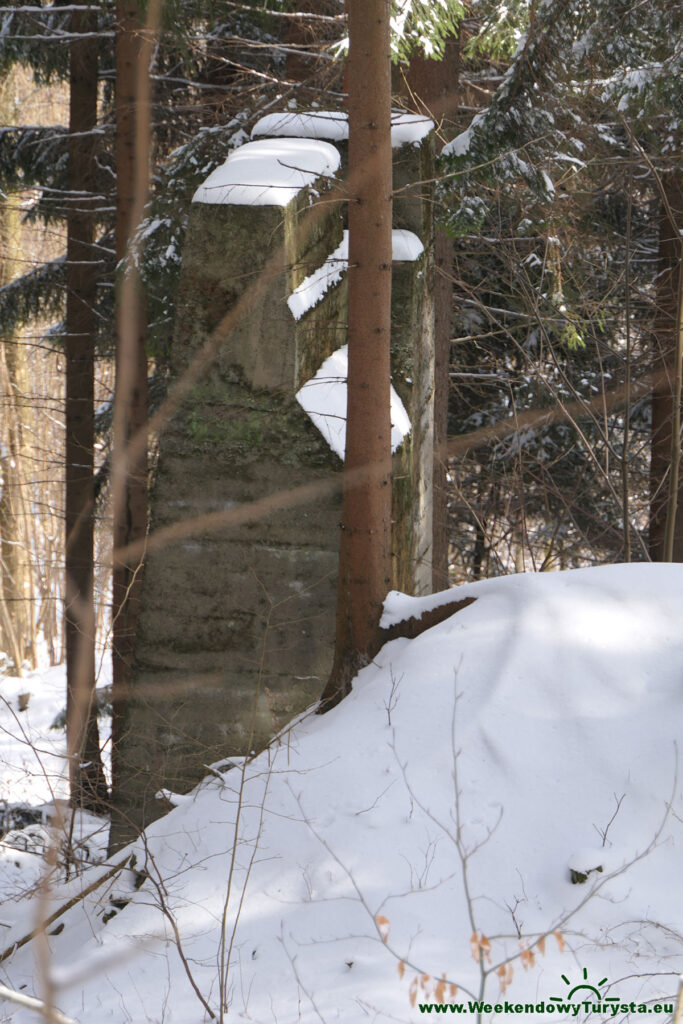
[494,814]
[34,782]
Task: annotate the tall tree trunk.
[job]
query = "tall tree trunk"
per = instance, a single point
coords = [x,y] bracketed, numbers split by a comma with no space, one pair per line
[432,87]
[666,327]
[365,545]
[129,466]
[88,784]
[17,619]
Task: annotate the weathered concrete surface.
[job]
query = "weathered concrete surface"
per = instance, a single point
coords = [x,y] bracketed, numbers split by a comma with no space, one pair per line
[237,625]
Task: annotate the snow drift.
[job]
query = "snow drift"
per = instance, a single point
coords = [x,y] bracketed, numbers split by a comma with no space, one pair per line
[494,813]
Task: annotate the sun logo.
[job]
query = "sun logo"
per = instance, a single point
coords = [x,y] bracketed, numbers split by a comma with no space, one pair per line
[585,987]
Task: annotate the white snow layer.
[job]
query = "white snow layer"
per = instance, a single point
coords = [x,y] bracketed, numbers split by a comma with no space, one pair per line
[432,817]
[318,124]
[268,173]
[323,398]
[406,246]
[311,290]
[333,125]
[462,142]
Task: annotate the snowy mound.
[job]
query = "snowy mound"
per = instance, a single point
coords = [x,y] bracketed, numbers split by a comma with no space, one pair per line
[494,814]
[268,173]
[333,125]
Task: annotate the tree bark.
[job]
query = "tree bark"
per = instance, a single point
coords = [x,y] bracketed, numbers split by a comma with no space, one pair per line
[665,331]
[88,784]
[365,544]
[17,620]
[415,626]
[129,463]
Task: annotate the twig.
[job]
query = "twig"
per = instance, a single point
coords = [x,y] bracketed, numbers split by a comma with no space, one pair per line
[34,1004]
[162,895]
[63,909]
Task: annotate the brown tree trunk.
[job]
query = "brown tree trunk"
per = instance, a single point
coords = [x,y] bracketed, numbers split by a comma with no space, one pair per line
[129,464]
[88,784]
[365,545]
[432,87]
[15,598]
[17,620]
[664,344]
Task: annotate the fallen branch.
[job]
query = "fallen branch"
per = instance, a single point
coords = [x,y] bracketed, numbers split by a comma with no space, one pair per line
[34,1004]
[417,624]
[63,909]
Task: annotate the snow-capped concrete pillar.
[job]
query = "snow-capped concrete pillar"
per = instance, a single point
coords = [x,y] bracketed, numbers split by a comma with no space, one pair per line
[236,628]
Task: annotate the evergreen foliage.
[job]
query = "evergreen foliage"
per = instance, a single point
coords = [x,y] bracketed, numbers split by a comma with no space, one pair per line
[210,66]
[423,26]
[576,69]
[550,191]
[35,36]
[37,295]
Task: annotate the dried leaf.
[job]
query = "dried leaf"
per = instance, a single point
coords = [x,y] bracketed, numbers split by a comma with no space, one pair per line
[424,981]
[383,925]
[401,969]
[527,958]
[412,992]
[540,945]
[504,973]
[453,990]
[440,990]
[560,941]
[480,944]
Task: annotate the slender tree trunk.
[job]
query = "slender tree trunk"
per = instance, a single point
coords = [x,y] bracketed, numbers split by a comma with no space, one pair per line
[365,545]
[129,465]
[17,635]
[17,628]
[666,328]
[88,784]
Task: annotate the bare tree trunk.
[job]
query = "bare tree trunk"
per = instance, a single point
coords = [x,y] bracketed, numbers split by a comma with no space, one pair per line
[365,545]
[664,343]
[14,598]
[88,784]
[17,621]
[129,465]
